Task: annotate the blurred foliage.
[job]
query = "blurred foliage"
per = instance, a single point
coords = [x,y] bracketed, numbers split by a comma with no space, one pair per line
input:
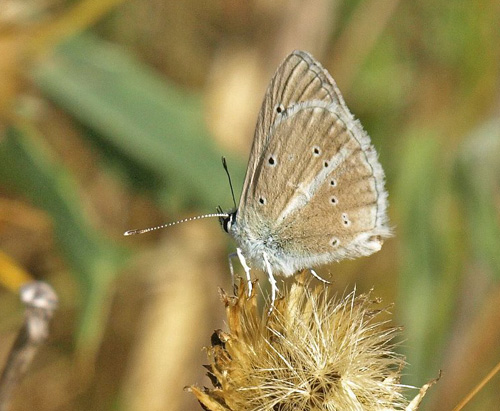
[112,121]
[477,180]
[148,121]
[29,169]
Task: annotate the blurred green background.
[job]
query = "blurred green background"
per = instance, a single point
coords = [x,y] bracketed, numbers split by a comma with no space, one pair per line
[114,115]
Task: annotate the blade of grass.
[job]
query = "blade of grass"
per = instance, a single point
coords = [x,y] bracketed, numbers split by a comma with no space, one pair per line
[478,388]
[421,269]
[478,185]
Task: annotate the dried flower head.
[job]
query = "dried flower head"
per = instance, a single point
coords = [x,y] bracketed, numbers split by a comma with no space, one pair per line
[312,352]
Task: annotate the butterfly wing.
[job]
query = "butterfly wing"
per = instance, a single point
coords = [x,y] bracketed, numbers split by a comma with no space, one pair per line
[339,206]
[300,78]
[314,189]
[317,193]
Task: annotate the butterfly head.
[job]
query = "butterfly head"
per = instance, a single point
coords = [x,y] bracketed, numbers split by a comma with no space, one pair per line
[228,220]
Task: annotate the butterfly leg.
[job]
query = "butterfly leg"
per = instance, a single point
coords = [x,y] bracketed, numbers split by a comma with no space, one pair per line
[231,267]
[246,268]
[315,274]
[272,281]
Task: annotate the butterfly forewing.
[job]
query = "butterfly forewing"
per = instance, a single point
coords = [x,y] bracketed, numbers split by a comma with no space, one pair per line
[300,156]
[300,78]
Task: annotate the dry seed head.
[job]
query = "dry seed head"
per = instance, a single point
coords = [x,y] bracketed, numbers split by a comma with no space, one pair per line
[312,352]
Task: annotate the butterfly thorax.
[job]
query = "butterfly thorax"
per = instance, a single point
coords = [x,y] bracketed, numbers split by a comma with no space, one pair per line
[259,241]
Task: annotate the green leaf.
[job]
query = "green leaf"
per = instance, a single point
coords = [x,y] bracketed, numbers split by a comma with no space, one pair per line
[144,117]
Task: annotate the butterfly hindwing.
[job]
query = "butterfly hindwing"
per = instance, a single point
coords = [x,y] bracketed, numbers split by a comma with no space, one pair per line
[331,202]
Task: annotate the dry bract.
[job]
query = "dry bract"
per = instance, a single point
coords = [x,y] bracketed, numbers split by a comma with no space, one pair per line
[312,352]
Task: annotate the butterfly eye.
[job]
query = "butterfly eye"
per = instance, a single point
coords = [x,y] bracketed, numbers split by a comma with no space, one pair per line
[280,108]
[333,183]
[227,222]
[262,201]
[326,164]
[333,200]
[272,161]
[334,242]
[316,151]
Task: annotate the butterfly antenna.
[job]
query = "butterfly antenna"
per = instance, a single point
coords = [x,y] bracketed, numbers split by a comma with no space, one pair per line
[224,164]
[185,220]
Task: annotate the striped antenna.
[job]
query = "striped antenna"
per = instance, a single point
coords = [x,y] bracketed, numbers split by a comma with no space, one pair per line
[185,220]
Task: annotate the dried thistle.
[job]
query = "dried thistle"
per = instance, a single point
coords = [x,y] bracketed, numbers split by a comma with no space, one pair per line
[312,352]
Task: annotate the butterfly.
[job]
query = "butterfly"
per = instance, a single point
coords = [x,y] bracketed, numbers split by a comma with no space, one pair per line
[314,188]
